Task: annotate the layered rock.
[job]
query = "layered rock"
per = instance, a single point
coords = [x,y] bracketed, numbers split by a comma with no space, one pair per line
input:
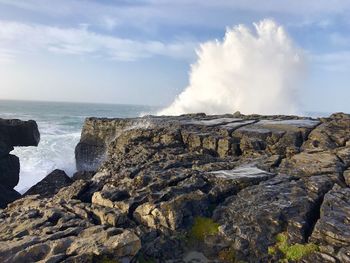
[332,231]
[194,188]
[13,133]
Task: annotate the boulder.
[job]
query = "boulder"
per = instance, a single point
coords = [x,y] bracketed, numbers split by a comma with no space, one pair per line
[19,133]
[51,184]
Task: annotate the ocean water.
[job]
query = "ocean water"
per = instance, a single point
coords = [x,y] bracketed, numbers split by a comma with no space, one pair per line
[60,126]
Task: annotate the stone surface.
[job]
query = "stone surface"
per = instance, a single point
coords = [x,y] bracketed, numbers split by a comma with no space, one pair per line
[218,188]
[51,184]
[9,171]
[19,133]
[252,219]
[7,195]
[332,230]
[13,133]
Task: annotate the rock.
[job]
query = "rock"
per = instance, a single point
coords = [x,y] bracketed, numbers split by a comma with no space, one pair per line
[13,133]
[48,230]
[83,175]
[220,188]
[330,134]
[51,184]
[347,177]
[252,219]
[332,230]
[19,133]
[95,137]
[310,164]
[9,171]
[7,195]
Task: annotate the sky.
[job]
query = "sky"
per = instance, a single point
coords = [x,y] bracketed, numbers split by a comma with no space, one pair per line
[140,51]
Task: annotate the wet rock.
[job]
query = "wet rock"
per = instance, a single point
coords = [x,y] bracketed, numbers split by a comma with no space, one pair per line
[95,137]
[51,184]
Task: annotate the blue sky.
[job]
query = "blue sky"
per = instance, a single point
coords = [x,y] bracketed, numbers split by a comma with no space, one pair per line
[140,51]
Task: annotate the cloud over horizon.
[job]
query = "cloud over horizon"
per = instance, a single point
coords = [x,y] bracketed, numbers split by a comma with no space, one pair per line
[81,41]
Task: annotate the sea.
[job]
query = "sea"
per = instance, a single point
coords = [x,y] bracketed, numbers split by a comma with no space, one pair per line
[60,126]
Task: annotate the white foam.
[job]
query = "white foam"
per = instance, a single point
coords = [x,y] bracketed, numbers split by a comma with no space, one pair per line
[251,71]
[55,151]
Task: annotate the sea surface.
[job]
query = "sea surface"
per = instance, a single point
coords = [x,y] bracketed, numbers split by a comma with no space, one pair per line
[60,126]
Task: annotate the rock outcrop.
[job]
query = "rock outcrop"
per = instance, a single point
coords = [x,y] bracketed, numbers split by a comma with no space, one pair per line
[194,188]
[13,133]
[51,184]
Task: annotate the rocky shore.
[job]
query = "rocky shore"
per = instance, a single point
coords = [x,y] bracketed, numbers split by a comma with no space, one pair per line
[193,188]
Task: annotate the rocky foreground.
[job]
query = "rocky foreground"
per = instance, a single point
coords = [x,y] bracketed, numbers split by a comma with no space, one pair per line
[193,188]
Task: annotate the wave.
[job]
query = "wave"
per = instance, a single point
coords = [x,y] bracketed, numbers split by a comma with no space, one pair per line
[259,71]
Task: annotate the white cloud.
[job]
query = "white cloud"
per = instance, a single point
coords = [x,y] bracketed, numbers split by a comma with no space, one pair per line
[145,13]
[285,6]
[81,41]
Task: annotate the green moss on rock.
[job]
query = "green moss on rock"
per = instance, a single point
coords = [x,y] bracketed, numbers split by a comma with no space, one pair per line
[204,227]
[293,252]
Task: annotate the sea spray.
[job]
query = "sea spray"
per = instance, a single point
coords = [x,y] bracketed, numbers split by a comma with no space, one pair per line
[257,71]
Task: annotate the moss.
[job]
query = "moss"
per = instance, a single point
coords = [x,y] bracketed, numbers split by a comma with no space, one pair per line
[203,227]
[292,252]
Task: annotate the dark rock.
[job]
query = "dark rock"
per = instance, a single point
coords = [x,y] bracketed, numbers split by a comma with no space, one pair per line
[7,195]
[13,133]
[51,184]
[19,133]
[9,171]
